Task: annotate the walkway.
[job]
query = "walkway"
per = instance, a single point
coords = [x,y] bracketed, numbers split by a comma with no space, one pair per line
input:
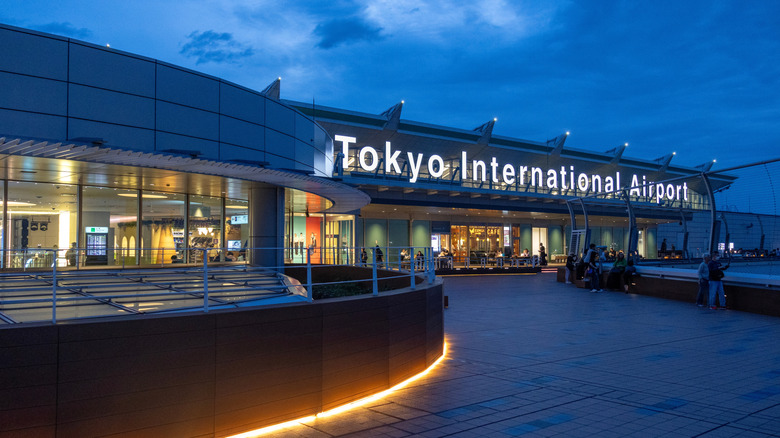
[532,357]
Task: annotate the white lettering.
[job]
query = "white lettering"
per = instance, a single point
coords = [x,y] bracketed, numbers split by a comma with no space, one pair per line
[475,166]
[609,184]
[493,170]
[536,171]
[463,166]
[563,178]
[552,179]
[415,166]
[438,160]
[509,174]
[685,191]
[582,182]
[345,141]
[523,172]
[595,182]
[374,159]
[390,159]
[659,193]
[634,186]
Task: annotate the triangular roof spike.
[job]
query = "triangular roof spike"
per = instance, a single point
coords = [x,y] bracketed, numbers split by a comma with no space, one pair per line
[557,143]
[273,89]
[664,161]
[617,153]
[486,129]
[705,167]
[393,116]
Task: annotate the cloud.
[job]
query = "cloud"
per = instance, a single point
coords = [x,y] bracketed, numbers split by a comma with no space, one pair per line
[65,29]
[210,46]
[345,30]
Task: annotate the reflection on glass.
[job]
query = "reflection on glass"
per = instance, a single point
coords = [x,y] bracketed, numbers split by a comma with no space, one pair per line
[237,228]
[41,217]
[205,230]
[110,218]
[163,216]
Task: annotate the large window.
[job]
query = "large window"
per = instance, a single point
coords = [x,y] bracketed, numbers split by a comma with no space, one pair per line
[110,226]
[205,229]
[237,228]
[41,217]
[163,219]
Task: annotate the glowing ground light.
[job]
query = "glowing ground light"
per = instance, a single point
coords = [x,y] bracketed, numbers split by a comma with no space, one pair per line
[346,407]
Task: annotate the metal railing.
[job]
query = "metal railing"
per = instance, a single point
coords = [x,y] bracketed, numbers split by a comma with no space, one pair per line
[210,287]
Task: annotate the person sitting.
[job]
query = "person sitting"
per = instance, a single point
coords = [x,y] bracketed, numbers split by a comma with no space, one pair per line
[616,273]
[628,275]
[229,257]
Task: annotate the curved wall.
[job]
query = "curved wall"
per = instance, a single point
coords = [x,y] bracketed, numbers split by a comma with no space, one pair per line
[61,89]
[214,374]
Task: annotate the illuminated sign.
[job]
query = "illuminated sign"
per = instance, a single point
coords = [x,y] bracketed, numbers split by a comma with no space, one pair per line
[240,219]
[96,230]
[479,171]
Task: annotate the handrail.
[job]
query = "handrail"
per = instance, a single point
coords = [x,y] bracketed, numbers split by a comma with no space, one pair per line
[209,271]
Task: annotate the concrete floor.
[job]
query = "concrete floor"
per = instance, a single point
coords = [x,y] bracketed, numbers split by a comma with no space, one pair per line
[532,357]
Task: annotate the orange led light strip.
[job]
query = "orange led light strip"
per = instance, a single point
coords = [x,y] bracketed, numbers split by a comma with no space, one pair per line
[343,408]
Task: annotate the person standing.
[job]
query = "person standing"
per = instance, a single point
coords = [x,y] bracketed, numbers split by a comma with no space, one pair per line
[716,281]
[542,255]
[570,262]
[594,264]
[704,280]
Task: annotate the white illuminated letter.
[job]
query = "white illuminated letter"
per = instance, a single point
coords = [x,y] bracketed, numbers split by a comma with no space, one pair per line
[609,184]
[563,178]
[552,179]
[415,166]
[345,141]
[436,159]
[523,171]
[596,182]
[476,165]
[670,192]
[634,189]
[390,158]
[494,170]
[463,166]
[509,174]
[685,191]
[659,193]
[582,182]
[374,159]
[534,172]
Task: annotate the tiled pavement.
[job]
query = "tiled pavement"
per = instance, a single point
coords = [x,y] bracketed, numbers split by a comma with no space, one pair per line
[532,357]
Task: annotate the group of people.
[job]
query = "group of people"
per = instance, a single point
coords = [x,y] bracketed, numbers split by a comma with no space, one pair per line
[591,268]
[711,275]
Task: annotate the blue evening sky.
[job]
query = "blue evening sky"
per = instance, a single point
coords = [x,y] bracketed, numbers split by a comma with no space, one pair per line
[701,78]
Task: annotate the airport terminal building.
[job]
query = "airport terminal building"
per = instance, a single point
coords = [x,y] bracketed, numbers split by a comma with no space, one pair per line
[139,162]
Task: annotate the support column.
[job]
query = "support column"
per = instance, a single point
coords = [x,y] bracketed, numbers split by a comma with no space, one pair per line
[266,226]
[633,230]
[711,196]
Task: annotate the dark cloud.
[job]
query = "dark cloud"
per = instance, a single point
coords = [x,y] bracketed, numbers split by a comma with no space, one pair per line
[210,46]
[345,30]
[65,29]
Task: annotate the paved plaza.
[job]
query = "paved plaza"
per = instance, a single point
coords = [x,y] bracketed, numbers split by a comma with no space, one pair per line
[532,357]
